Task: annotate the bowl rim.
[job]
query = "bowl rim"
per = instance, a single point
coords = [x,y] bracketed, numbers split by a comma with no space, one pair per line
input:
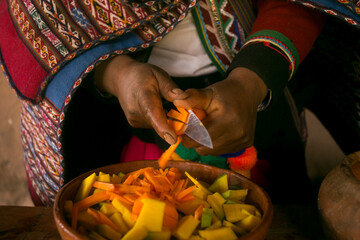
[61,222]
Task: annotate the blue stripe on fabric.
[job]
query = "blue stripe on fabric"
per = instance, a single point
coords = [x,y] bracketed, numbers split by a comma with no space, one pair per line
[336,6]
[61,84]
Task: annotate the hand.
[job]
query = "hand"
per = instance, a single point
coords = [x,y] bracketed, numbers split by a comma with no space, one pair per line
[231,107]
[139,88]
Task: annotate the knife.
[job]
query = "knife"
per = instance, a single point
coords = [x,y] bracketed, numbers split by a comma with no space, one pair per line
[195,129]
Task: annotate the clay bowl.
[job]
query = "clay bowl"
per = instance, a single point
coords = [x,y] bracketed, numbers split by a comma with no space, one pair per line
[256,195]
[339,200]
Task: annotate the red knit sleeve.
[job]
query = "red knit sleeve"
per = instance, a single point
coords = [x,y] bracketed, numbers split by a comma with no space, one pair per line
[299,24]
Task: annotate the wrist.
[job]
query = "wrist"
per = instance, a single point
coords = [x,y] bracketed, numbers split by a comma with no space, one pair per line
[254,85]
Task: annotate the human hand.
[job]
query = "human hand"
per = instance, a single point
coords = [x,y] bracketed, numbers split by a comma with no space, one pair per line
[139,88]
[231,107]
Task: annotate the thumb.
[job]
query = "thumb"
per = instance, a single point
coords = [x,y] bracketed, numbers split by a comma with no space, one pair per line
[194,98]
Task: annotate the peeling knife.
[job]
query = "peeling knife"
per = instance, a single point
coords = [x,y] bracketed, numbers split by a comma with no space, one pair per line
[195,128]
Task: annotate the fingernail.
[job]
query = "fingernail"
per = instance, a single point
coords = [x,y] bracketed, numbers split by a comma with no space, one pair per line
[169,139]
[177,91]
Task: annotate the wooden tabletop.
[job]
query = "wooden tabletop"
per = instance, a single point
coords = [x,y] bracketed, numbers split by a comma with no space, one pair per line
[290,222]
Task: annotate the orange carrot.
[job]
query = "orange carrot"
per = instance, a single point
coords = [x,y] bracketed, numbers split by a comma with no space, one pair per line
[100,218]
[198,212]
[124,188]
[92,200]
[74,216]
[166,156]
[113,196]
[185,192]
[104,185]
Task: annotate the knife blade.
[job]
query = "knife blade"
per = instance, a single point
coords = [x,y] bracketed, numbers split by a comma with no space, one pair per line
[196,130]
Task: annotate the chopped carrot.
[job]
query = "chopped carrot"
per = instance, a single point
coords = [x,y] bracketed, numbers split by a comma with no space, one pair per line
[104,185]
[166,156]
[101,218]
[124,188]
[91,200]
[185,192]
[119,197]
[198,212]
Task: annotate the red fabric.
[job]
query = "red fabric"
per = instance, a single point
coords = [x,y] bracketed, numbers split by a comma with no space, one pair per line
[299,24]
[26,72]
[34,197]
[138,150]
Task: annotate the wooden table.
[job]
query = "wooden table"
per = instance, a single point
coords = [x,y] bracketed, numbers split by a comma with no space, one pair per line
[290,222]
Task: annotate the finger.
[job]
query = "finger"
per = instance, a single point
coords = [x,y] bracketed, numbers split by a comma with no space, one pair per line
[195,98]
[152,109]
[167,87]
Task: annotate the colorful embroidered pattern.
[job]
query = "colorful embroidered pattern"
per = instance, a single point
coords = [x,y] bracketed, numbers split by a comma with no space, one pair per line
[286,47]
[218,28]
[42,159]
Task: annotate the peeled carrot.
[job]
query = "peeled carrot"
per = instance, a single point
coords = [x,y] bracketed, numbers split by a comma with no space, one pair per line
[100,218]
[104,185]
[165,157]
[198,212]
[92,200]
[185,192]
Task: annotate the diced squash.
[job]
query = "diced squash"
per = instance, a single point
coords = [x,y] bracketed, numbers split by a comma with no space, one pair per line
[85,187]
[220,184]
[234,212]
[249,223]
[115,179]
[186,227]
[104,178]
[235,195]
[216,201]
[108,209]
[219,233]
[125,212]
[164,235]
[136,233]
[118,220]
[152,215]
[188,207]
[95,236]
[198,193]
[237,229]
[198,184]
[108,232]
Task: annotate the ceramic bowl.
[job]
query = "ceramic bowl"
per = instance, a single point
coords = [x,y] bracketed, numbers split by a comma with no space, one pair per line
[256,195]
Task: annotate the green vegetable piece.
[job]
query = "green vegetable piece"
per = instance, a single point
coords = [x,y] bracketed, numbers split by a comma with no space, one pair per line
[220,185]
[206,217]
[219,233]
[216,201]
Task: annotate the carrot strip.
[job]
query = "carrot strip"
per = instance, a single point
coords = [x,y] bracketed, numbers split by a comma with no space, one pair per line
[113,196]
[124,188]
[198,212]
[186,198]
[92,200]
[104,185]
[100,218]
[185,192]
[129,180]
[166,156]
[74,216]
